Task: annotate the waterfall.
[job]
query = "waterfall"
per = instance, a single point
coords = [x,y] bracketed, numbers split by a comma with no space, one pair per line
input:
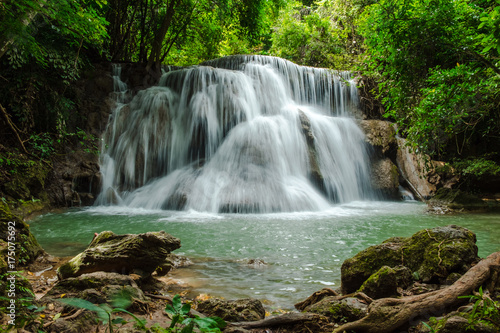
[241,134]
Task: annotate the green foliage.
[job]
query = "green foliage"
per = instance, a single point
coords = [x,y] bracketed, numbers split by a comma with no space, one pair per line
[484,311]
[490,25]
[28,309]
[119,303]
[435,63]
[179,313]
[477,167]
[42,144]
[307,36]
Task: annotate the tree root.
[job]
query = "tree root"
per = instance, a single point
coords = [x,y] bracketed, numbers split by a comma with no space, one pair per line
[388,314]
[291,318]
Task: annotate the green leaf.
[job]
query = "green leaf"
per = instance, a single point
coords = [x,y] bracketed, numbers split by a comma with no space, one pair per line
[185,309]
[84,304]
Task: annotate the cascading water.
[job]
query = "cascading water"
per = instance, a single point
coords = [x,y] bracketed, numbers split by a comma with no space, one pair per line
[246,134]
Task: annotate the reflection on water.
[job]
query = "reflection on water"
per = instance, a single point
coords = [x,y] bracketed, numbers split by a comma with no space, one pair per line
[303,251]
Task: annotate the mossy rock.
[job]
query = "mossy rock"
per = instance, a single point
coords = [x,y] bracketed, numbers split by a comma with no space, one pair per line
[27,247]
[436,253]
[356,270]
[339,311]
[247,309]
[385,282]
[432,254]
[130,253]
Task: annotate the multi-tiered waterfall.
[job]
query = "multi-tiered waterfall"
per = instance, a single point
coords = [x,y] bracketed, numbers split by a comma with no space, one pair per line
[238,134]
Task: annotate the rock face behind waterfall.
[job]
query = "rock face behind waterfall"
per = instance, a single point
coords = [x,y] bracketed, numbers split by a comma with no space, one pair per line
[243,134]
[123,254]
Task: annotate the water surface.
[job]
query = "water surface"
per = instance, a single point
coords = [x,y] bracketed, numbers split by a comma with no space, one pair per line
[303,251]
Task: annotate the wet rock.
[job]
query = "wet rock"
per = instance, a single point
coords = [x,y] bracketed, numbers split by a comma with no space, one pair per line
[385,282]
[315,174]
[108,252]
[339,311]
[385,178]
[430,254]
[247,309]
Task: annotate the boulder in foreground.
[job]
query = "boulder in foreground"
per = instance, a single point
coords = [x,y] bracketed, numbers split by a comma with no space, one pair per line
[124,254]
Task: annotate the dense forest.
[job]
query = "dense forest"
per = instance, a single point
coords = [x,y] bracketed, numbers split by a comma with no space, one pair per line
[431,66]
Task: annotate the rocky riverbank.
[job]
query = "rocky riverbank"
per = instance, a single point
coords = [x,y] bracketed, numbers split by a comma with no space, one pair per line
[400,285]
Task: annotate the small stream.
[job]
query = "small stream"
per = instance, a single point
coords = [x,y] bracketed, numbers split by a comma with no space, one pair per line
[303,251]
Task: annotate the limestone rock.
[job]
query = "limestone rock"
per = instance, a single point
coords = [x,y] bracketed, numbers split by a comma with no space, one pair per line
[344,310]
[430,254]
[247,309]
[124,254]
[385,178]
[381,135]
[315,174]
[420,176]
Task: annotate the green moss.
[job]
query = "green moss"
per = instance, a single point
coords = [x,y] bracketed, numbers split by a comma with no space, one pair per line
[27,247]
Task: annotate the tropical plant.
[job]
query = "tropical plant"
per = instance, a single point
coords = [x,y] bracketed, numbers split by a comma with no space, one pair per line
[484,311]
[105,312]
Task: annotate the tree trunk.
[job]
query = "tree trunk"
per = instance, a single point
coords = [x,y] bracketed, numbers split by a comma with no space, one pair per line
[155,56]
[388,314]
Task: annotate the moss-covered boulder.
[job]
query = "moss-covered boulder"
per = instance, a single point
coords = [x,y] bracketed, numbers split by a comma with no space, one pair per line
[247,309]
[339,311]
[436,253]
[385,282]
[130,253]
[14,230]
[356,270]
[430,254]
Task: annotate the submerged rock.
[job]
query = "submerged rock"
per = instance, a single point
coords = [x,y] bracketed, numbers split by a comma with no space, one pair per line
[247,309]
[124,254]
[430,254]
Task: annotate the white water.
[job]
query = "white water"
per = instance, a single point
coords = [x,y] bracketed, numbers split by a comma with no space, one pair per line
[231,135]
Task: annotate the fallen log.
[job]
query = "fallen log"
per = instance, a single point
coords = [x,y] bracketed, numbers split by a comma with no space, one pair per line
[387,314]
[291,318]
